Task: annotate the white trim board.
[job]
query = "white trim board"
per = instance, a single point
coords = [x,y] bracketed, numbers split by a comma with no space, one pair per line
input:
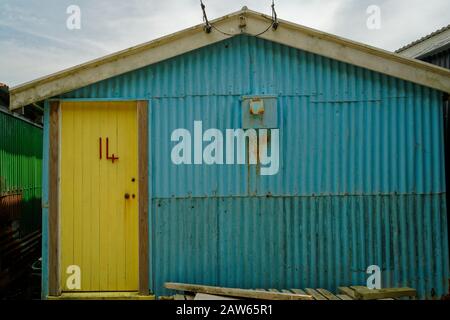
[287,33]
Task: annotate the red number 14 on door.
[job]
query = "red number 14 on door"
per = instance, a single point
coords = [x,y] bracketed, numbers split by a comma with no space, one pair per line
[108,157]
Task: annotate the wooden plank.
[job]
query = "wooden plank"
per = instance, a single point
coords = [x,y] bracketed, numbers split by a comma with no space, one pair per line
[204,296]
[236,292]
[53,201]
[343,297]
[273,290]
[327,294]
[183,297]
[360,288]
[102,296]
[142,110]
[298,291]
[316,295]
[348,291]
[373,294]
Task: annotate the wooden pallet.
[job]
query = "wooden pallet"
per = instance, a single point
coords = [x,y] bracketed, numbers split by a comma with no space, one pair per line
[316,294]
[353,293]
[363,293]
[345,293]
[237,292]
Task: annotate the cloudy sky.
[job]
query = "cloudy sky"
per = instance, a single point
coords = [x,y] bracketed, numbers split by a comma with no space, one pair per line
[35,41]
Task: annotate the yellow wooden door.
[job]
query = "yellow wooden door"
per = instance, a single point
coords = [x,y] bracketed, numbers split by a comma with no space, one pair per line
[99,196]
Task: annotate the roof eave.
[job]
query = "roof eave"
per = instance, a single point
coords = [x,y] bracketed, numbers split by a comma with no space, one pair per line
[288,33]
[428,46]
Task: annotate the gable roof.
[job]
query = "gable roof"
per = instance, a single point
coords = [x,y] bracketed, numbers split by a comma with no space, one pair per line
[242,22]
[428,45]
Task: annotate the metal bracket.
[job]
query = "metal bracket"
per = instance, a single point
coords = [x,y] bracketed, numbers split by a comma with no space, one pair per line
[242,22]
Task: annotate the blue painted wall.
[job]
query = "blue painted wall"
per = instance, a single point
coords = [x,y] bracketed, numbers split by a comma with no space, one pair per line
[361,177]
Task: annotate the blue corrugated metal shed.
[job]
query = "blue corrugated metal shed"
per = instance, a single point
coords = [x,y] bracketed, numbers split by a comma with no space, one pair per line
[361,177]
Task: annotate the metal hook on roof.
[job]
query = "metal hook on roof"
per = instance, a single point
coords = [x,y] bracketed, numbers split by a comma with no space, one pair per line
[207,26]
[274,17]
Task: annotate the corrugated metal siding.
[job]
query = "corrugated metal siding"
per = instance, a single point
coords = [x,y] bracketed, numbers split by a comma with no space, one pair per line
[21,170]
[441,59]
[361,161]
[287,242]
[326,148]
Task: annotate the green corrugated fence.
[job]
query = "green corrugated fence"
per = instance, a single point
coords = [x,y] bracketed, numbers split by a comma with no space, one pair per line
[20,172]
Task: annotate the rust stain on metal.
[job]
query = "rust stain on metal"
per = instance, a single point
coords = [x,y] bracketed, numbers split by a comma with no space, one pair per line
[10,206]
[257,107]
